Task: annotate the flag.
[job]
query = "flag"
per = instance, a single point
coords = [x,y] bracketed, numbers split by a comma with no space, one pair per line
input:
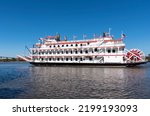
[84,36]
[41,39]
[94,35]
[65,38]
[50,37]
[123,36]
[74,37]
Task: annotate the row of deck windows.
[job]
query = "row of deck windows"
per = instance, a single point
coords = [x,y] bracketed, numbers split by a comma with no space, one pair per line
[67,45]
[76,52]
[64,59]
[66,52]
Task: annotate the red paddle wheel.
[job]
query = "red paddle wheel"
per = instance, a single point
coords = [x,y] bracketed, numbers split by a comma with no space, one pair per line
[135,55]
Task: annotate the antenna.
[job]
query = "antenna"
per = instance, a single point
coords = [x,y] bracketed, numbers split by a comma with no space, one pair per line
[122,34]
[65,38]
[84,36]
[26,47]
[74,37]
[109,30]
[94,35]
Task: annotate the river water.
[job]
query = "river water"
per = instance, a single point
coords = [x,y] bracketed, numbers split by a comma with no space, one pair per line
[24,81]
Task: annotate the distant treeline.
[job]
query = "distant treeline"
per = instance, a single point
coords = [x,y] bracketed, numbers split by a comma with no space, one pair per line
[148,58]
[10,59]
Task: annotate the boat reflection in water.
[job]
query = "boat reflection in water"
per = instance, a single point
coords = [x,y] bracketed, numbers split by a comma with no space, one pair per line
[76,82]
[26,81]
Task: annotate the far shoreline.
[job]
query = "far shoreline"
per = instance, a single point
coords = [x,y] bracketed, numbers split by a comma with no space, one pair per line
[11,60]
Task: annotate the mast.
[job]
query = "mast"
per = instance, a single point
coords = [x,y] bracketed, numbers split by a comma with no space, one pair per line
[109,31]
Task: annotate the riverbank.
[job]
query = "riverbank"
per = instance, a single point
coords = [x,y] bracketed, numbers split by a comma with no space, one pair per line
[10,60]
[148,58]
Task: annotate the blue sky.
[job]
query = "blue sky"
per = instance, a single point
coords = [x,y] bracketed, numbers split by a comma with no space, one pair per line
[22,22]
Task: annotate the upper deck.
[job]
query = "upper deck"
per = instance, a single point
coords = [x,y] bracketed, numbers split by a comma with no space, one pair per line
[54,42]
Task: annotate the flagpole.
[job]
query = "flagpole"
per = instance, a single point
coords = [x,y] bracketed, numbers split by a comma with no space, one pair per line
[109,30]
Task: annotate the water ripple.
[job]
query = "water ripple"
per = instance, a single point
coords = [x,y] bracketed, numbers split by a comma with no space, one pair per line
[21,80]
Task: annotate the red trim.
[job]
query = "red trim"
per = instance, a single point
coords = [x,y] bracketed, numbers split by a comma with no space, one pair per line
[72,42]
[79,42]
[38,44]
[105,41]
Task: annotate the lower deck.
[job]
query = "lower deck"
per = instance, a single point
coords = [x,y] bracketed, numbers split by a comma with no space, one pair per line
[131,64]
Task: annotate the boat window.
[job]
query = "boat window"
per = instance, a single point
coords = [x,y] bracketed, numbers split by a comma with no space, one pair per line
[71,59]
[58,46]
[66,52]
[80,44]
[71,45]
[113,50]
[109,51]
[54,45]
[90,58]
[96,50]
[76,44]
[49,59]
[62,45]
[86,51]
[66,59]
[50,46]
[71,52]
[57,59]
[81,51]
[76,59]
[121,49]
[80,59]
[62,59]
[57,52]
[88,43]
[67,45]
[76,52]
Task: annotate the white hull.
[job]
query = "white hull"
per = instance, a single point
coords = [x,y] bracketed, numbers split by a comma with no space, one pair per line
[88,64]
